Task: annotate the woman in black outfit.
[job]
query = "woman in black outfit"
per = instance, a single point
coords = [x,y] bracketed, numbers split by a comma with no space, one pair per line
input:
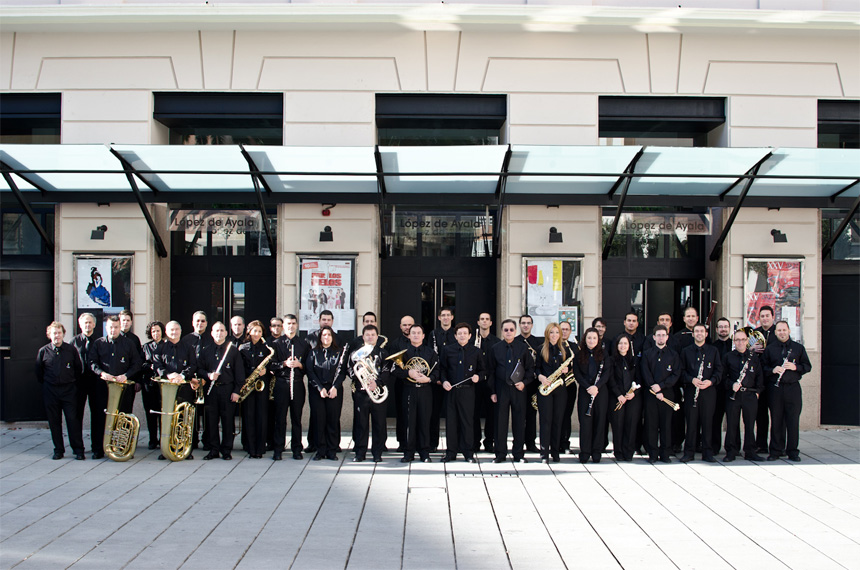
[325,377]
[551,407]
[152,390]
[592,370]
[625,421]
[256,406]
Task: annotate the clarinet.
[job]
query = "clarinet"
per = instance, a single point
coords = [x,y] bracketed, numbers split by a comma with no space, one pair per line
[699,375]
[741,378]
[784,362]
[596,382]
[478,338]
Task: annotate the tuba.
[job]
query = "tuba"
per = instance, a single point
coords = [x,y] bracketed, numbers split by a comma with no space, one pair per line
[253,382]
[175,434]
[365,371]
[121,429]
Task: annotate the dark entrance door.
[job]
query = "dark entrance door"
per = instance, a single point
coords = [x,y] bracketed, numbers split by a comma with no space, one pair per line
[673,296]
[421,286]
[224,287]
[840,360]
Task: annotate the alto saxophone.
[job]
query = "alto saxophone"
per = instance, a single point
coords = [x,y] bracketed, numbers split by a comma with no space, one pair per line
[120,439]
[556,379]
[253,382]
[176,435]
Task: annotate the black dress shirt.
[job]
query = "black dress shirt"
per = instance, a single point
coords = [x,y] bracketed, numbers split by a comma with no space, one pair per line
[425,352]
[660,366]
[285,347]
[116,357]
[733,363]
[178,357]
[233,369]
[58,364]
[459,362]
[691,359]
[503,360]
[776,353]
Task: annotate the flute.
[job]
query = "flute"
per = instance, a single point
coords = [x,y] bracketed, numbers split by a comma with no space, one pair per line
[220,364]
[633,388]
[292,370]
[784,362]
[668,402]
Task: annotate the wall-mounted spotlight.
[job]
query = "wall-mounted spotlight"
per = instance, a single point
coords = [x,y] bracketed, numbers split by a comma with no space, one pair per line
[778,236]
[326,234]
[554,235]
[99,233]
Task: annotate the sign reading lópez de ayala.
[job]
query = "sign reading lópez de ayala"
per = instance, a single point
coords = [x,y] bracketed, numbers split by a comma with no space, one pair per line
[214,221]
[664,223]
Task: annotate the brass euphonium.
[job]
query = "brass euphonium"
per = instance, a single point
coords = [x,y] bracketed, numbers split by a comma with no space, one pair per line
[176,434]
[121,429]
[365,371]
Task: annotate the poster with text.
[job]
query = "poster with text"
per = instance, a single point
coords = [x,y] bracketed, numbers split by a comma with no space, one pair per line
[776,284]
[327,284]
[102,287]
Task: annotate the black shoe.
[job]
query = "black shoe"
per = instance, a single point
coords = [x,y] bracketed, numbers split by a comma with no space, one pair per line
[795,458]
[762,450]
[98,455]
[521,460]
[331,457]
[448,458]
[728,458]
[339,450]
[532,449]
[666,460]
[652,460]
[709,459]
[499,460]
[297,455]
[377,458]
[687,458]
[277,456]
[753,457]
[555,458]
[189,458]
[407,459]
[227,457]
[584,459]
[80,456]
[310,449]
[154,445]
[677,449]
[426,460]
[57,456]
[471,459]
[211,455]
[318,457]
[772,457]
[544,459]
[161,457]
[357,459]
[596,458]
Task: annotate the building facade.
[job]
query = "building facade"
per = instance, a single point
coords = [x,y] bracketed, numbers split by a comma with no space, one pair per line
[711,75]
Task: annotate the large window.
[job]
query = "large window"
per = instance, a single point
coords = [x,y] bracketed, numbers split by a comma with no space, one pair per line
[440,119]
[658,233]
[235,230]
[660,121]
[839,124]
[30,118]
[847,246]
[438,233]
[20,236]
[222,118]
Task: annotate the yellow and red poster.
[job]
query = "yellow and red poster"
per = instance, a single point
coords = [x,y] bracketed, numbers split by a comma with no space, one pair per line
[776,284]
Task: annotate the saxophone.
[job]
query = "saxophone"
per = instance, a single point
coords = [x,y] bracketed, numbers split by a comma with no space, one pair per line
[253,382]
[121,430]
[556,379]
[175,434]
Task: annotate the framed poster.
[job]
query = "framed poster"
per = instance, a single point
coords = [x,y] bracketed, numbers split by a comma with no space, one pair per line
[776,283]
[327,283]
[552,292]
[102,285]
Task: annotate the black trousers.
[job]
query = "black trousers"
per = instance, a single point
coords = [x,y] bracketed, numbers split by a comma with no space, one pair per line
[785,402]
[530,434]
[284,404]
[567,422]
[151,396]
[326,414]
[62,400]
[551,408]
[255,415]
[679,424]
[486,409]
[95,390]
[460,412]
[592,429]
[218,407]
[417,407]
[658,425]
[625,426]
[700,418]
[744,403]
[439,398]
[719,415]
[367,413]
[514,403]
[400,412]
[762,420]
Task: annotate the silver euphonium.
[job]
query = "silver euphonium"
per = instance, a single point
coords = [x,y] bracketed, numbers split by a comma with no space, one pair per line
[365,371]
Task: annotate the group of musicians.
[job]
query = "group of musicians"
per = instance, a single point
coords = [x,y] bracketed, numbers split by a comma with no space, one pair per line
[635,384]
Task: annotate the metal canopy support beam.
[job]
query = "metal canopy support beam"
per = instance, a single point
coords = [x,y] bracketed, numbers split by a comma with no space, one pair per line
[842,225]
[500,196]
[380,191]
[751,172]
[24,177]
[129,174]
[126,165]
[255,171]
[28,210]
[718,247]
[380,171]
[626,181]
[849,187]
[628,170]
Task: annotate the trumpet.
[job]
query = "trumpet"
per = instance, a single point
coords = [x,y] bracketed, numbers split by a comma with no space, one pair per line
[668,402]
[633,387]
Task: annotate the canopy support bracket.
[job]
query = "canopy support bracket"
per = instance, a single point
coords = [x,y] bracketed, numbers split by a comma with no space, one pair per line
[626,185]
[842,225]
[748,182]
[28,210]
[130,175]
